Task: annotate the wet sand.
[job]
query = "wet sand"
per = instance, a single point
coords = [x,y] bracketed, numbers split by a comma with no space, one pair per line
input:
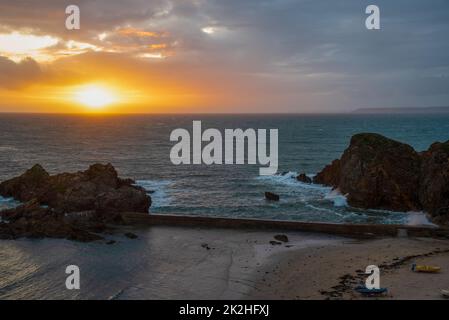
[200,263]
[212,263]
[236,264]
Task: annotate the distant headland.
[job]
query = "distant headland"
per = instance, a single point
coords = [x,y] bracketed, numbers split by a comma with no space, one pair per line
[409,110]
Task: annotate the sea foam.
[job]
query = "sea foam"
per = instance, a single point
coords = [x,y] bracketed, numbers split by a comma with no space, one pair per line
[418,219]
[158,190]
[337,198]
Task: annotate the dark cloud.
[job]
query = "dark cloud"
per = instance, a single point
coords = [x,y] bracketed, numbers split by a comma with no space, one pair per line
[303,55]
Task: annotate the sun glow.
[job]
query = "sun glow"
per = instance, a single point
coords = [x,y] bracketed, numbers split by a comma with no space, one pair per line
[95,97]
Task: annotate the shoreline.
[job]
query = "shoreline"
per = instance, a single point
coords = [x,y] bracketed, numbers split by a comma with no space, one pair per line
[309,266]
[202,263]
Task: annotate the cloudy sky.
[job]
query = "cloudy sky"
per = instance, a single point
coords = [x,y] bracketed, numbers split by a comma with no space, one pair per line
[223,56]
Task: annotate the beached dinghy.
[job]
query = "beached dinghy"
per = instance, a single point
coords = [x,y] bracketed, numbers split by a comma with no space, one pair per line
[370,292]
[426,269]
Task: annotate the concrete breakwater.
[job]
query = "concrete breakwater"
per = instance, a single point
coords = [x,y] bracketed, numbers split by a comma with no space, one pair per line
[352,230]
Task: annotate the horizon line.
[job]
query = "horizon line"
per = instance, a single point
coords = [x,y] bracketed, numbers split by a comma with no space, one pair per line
[365,111]
[168,113]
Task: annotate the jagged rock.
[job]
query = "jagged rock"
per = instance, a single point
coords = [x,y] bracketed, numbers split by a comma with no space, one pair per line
[69,205]
[303,178]
[330,175]
[377,172]
[271,196]
[123,199]
[434,181]
[99,188]
[26,187]
[33,221]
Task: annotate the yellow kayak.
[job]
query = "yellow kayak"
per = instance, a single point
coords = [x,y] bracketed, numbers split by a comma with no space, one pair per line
[426,269]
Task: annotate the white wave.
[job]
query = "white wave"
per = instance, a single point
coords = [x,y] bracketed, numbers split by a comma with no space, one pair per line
[289,179]
[337,198]
[312,196]
[323,209]
[158,190]
[307,191]
[418,219]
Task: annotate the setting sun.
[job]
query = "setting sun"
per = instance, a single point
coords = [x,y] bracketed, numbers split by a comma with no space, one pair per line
[95,96]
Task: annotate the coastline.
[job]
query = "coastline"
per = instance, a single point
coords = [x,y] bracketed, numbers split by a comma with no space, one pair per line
[221,263]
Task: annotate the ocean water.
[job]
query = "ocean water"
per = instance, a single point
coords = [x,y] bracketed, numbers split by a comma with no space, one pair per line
[139,147]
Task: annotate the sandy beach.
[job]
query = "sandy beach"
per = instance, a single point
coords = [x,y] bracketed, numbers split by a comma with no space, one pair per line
[202,263]
[212,263]
[332,271]
[234,264]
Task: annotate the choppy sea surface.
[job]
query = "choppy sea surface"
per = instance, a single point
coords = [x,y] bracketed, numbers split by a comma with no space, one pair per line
[139,147]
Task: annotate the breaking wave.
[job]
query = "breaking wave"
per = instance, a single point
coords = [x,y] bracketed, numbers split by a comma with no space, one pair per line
[337,198]
[319,200]
[158,190]
[307,191]
[418,219]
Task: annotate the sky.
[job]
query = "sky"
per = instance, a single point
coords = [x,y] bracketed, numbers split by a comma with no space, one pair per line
[250,56]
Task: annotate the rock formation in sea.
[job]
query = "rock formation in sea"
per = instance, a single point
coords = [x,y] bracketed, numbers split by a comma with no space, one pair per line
[303,178]
[434,181]
[270,196]
[380,173]
[69,205]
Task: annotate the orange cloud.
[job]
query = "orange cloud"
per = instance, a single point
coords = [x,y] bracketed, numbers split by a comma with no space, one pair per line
[140,33]
[158,46]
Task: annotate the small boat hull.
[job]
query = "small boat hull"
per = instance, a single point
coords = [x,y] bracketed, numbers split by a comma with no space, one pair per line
[370,292]
[425,269]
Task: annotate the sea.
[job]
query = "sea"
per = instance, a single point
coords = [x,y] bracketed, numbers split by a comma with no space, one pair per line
[139,148]
[159,264]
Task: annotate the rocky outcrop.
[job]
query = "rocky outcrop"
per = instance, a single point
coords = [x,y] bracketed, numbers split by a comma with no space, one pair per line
[434,181]
[33,221]
[377,172]
[69,205]
[270,196]
[303,178]
[330,175]
[99,188]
